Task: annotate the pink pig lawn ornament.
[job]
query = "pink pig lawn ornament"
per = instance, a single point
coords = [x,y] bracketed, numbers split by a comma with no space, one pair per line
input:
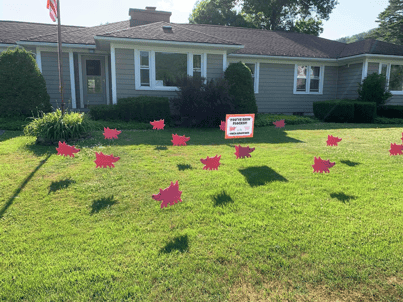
[396,149]
[179,140]
[222,126]
[241,152]
[111,133]
[321,165]
[332,141]
[105,160]
[170,195]
[159,125]
[279,124]
[65,149]
[232,128]
[211,163]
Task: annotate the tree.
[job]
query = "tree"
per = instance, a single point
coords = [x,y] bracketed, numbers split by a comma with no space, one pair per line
[218,12]
[302,16]
[358,37]
[390,24]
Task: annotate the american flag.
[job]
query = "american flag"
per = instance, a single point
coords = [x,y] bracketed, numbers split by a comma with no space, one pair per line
[52,5]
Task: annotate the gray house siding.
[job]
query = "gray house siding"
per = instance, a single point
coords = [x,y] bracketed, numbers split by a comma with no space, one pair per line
[50,72]
[373,68]
[348,79]
[214,66]
[276,85]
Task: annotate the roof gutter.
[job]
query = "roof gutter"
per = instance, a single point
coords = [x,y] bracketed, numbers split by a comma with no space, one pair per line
[282,57]
[368,55]
[28,43]
[162,42]
[7,45]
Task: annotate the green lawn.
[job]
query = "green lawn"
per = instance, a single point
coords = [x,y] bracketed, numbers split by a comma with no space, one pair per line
[264,228]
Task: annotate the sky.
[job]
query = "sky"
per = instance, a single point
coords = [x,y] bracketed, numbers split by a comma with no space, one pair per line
[348,18]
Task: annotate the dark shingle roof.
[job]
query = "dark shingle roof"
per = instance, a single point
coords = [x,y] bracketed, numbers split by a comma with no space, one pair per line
[82,35]
[273,43]
[256,41]
[178,33]
[13,31]
[371,46]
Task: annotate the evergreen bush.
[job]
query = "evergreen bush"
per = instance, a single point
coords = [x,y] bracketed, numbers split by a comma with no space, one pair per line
[336,111]
[202,103]
[22,86]
[373,89]
[241,88]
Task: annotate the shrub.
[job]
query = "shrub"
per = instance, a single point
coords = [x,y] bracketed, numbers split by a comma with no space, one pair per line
[141,109]
[385,120]
[337,111]
[22,86]
[264,119]
[51,127]
[103,112]
[390,111]
[373,89]
[144,109]
[240,82]
[202,104]
[364,112]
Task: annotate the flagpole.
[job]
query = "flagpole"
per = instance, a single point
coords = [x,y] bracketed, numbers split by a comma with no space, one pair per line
[59,56]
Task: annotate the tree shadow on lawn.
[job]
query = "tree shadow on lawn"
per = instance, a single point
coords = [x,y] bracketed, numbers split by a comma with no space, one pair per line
[259,176]
[102,203]
[207,137]
[350,163]
[21,187]
[221,199]
[182,167]
[39,150]
[61,184]
[7,134]
[342,197]
[160,148]
[179,243]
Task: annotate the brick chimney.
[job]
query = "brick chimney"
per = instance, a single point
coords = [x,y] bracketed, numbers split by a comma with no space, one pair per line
[148,15]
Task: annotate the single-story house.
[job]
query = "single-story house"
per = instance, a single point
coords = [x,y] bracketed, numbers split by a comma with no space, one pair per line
[138,56]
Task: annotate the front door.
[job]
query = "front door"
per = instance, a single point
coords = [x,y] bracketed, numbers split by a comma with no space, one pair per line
[94,86]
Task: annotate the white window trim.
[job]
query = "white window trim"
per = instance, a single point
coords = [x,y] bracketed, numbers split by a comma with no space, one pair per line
[308,82]
[152,73]
[256,72]
[388,68]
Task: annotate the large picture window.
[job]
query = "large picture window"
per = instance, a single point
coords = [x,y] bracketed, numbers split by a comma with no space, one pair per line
[308,79]
[394,77]
[159,70]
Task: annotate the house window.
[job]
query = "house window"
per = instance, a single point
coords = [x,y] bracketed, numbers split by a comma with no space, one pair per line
[308,79]
[169,67]
[144,68]
[159,70]
[394,77]
[197,65]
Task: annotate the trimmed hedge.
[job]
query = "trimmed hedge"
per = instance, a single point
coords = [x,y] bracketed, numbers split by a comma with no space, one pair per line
[390,111]
[336,111]
[141,109]
[345,111]
[364,112]
[265,119]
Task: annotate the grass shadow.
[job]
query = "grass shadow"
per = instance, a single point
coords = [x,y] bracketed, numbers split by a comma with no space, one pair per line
[182,167]
[161,148]
[102,203]
[21,187]
[221,199]
[349,163]
[259,176]
[342,197]
[179,243]
[61,184]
